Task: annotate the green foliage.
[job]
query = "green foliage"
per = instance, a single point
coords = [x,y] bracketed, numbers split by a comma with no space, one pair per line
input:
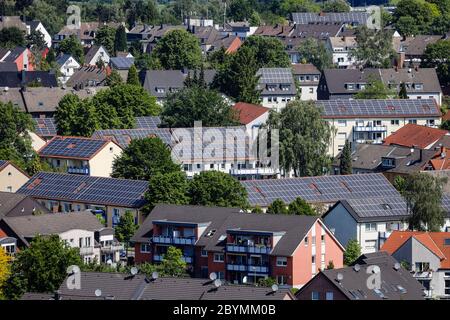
[105,36]
[5,267]
[120,40]
[336,6]
[267,282]
[412,17]
[374,48]
[197,103]
[269,52]
[277,207]
[36,40]
[171,188]
[437,55]
[345,163]
[72,46]
[304,138]
[257,209]
[289,6]
[126,227]
[403,94]
[215,188]
[178,49]
[314,51]
[113,79]
[143,159]
[423,195]
[133,77]
[173,264]
[375,89]
[11,37]
[445,125]
[147,61]
[52,14]
[300,207]
[240,10]
[352,252]
[41,267]
[330,265]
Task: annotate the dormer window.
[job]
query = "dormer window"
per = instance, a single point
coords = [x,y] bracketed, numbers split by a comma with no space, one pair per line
[271,87]
[418,86]
[285,87]
[388,162]
[350,86]
[160,90]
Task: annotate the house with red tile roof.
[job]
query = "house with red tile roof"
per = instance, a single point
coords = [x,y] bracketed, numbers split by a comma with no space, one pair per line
[427,255]
[251,115]
[413,135]
[440,161]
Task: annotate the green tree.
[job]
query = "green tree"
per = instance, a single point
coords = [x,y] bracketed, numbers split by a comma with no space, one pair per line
[300,207]
[330,265]
[304,138]
[11,37]
[133,77]
[267,282]
[35,40]
[125,229]
[277,207]
[41,267]
[52,14]
[196,103]
[375,89]
[402,94]
[437,55]
[241,10]
[400,184]
[413,17]
[215,188]
[171,188]
[173,264]
[313,51]
[423,195]
[178,49]
[269,52]
[72,46]
[257,209]
[374,48]
[143,159]
[352,252]
[336,6]
[345,160]
[105,36]
[114,79]
[5,267]
[289,6]
[120,40]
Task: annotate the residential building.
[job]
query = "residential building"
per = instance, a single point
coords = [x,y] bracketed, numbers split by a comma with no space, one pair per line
[27,78]
[427,255]
[307,79]
[36,25]
[80,155]
[350,283]
[21,57]
[370,221]
[26,26]
[321,191]
[373,120]
[88,76]
[14,205]
[149,35]
[420,83]
[12,21]
[11,176]
[67,67]
[239,247]
[252,116]
[340,48]
[277,87]
[353,18]
[120,286]
[77,229]
[410,50]
[45,128]
[121,65]
[108,197]
[415,135]
[241,29]
[85,31]
[95,55]
[13,95]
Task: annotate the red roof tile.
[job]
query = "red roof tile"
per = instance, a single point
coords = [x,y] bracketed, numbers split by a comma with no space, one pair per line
[234,46]
[414,135]
[446,116]
[249,112]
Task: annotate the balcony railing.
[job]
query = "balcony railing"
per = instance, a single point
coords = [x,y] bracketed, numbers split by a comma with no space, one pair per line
[78,170]
[253,171]
[258,269]
[112,248]
[86,251]
[236,267]
[248,249]
[248,268]
[173,240]
[370,128]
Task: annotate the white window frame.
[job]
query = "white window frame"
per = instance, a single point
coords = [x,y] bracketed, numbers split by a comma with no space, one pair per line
[281,262]
[216,255]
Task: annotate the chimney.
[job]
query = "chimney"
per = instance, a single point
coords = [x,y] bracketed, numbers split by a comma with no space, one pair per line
[401,59]
[420,154]
[416,68]
[443,153]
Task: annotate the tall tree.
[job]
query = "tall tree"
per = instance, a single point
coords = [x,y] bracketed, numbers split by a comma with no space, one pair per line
[403,94]
[352,252]
[72,46]
[315,52]
[336,6]
[41,267]
[423,195]
[304,138]
[11,37]
[114,79]
[196,103]
[300,207]
[133,77]
[241,10]
[289,6]
[437,55]
[345,160]
[269,52]
[374,48]
[413,17]
[143,159]
[120,39]
[173,264]
[277,207]
[215,188]
[5,267]
[105,36]
[178,49]
[125,229]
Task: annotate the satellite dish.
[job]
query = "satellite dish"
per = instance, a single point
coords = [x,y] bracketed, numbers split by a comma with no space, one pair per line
[217,283]
[376,269]
[244,279]
[109,261]
[339,277]
[134,271]
[213,276]
[98,293]
[274,288]
[356,267]
[397,266]
[155,275]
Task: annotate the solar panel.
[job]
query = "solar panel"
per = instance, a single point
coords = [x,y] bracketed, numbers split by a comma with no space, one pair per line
[45,127]
[379,207]
[378,107]
[2,163]
[149,122]
[275,75]
[86,189]
[321,189]
[342,17]
[122,63]
[71,147]
[123,137]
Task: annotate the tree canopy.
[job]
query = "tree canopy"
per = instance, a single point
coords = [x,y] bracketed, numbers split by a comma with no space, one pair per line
[437,55]
[345,160]
[300,207]
[375,89]
[11,37]
[278,206]
[269,52]
[105,36]
[352,252]
[313,51]
[72,46]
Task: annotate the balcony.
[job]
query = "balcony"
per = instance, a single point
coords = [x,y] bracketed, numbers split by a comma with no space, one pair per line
[78,170]
[86,251]
[112,248]
[370,128]
[173,240]
[253,171]
[258,269]
[236,267]
[248,249]
[159,258]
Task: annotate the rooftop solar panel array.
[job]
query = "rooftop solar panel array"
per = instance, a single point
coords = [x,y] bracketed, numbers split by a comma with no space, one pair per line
[86,189]
[149,122]
[2,163]
[123,137]
[343,17]
[275,75]
[72,147]
[321,189]
[446,204]
[122,63]
[380,108]
[379,207]
[45,127]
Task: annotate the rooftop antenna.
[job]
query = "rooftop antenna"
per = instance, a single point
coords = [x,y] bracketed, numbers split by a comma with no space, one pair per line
[98,293]
[213,276]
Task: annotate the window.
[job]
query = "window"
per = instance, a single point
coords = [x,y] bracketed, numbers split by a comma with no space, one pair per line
[80,242]
[395,122]
[87,241]
[342,135]
[311,90]
[340,147]
[371,245]
[281,280]
[306,241]
[10,249]
[322,258]
[313,238]
[329,296]
[342,123]
[218,257]
[160,90]
[447,242]
[377,123]
[371,227]
[447,287]
[115,216]
[322,239]
[413,121]
[145,248]
[430,122]
[313,259]
[204,253]
[9,189]
[314,295]
[281,261]
[422,266]
[211,166]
